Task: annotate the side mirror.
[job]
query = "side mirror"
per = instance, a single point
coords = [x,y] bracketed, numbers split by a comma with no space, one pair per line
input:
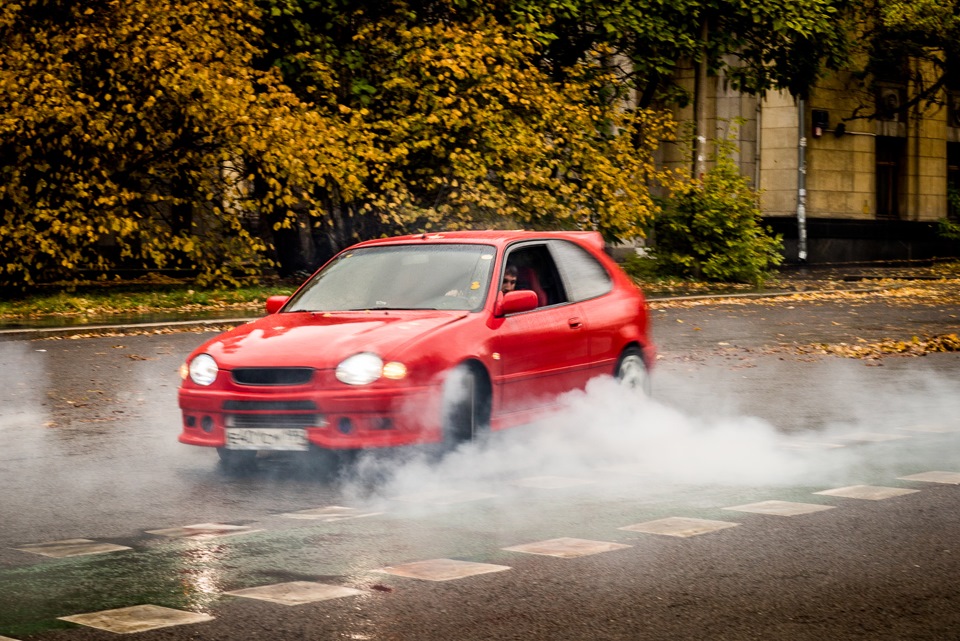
[516,301]
[274,303]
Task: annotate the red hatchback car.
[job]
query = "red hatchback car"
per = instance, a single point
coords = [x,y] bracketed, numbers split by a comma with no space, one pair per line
[419,339]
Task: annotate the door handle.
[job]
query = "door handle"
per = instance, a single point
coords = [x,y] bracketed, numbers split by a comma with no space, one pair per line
[575,323]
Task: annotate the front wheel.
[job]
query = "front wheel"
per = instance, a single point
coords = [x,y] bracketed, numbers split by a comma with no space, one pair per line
[632,371]
[237,460]
[466,406]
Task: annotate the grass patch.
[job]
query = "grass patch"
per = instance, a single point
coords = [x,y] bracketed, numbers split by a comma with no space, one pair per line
[126,299]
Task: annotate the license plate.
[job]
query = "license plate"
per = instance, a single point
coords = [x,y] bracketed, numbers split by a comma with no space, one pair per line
[262,438]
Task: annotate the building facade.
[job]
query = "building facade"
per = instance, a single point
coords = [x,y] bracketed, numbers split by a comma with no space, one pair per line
[843,178]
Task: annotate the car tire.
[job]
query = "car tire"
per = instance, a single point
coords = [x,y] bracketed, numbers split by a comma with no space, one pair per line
[466,406]
[328,464]
[237,460]
[632,370]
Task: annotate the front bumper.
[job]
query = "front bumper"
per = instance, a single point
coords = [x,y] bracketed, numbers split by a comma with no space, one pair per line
[344,419]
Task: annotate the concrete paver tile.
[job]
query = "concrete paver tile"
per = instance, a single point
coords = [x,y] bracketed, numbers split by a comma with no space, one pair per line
[950,478]
[567,548]
[71,547]
[137,618]
[867,492]
[442,569]
[295,592]
[679,526]
[551,482]
[780,508]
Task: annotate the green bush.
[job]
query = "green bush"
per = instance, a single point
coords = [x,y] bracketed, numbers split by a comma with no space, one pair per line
[948,227]
[639,267]
[710,229]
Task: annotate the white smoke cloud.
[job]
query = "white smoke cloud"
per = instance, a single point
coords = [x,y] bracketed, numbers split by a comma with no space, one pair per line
[600,430]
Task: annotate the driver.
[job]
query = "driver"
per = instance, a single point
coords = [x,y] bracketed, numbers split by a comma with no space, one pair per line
[509,279]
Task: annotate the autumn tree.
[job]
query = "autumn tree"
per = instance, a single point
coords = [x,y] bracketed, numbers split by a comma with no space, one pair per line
[164,135]
[913,44]
[465,127]
[218,136]
[130,132]
[782,44]
[443,83]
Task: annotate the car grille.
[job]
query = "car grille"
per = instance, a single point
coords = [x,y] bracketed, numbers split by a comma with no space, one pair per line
[269,406]
[272,375]
[278,421]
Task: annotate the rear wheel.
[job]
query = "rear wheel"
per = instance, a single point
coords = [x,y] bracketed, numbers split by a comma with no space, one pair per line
[466,406]
[632,370]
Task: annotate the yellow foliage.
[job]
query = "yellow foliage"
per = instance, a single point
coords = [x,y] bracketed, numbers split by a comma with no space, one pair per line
[474,134]
[130,138]
[124,114]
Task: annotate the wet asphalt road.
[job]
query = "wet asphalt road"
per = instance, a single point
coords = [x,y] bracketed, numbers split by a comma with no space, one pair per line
[89,430]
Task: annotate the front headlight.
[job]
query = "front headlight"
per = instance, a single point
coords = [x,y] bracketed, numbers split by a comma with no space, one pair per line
[203,369]
[360,369]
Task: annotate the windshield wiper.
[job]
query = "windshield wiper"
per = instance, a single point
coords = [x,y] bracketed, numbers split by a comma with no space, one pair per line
[387,309]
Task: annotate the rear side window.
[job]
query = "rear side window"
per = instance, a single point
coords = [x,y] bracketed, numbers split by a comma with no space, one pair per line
[583,274]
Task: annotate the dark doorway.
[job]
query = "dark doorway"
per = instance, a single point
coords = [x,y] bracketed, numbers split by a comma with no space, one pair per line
[953,181]
[890,162]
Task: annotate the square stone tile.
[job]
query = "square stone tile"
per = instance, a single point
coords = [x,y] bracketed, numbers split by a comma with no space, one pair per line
[444,497]
[872,437]
[951,478]
[203,531]
[780,508]
[811,445]
[551,482]
[628,470]
[137,618]
[680,526]
[71,547]
[931,429]
[442,569]
[567,548]
[295,592]
[867,492]
[330,513]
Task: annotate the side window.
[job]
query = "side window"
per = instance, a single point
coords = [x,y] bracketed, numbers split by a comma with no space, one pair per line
[536,271]
[584,275]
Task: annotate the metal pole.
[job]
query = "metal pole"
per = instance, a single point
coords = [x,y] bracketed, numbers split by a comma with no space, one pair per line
[700,106]
[802,184]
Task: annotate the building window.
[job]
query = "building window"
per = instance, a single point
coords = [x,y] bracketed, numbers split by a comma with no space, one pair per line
[890,161]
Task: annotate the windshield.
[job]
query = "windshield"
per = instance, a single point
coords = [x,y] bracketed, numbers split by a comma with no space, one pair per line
[421,276]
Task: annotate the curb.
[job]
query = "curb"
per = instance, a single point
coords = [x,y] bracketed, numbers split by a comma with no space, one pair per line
[661,299]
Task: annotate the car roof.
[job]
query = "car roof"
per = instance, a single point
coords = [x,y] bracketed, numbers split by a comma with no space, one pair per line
[491,237]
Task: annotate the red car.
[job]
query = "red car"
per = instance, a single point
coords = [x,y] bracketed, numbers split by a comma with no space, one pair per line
[418,339]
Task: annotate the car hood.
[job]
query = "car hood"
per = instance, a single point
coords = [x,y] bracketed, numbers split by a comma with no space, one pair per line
[322,340]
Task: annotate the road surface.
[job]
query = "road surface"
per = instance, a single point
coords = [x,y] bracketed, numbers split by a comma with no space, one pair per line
[766,492]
